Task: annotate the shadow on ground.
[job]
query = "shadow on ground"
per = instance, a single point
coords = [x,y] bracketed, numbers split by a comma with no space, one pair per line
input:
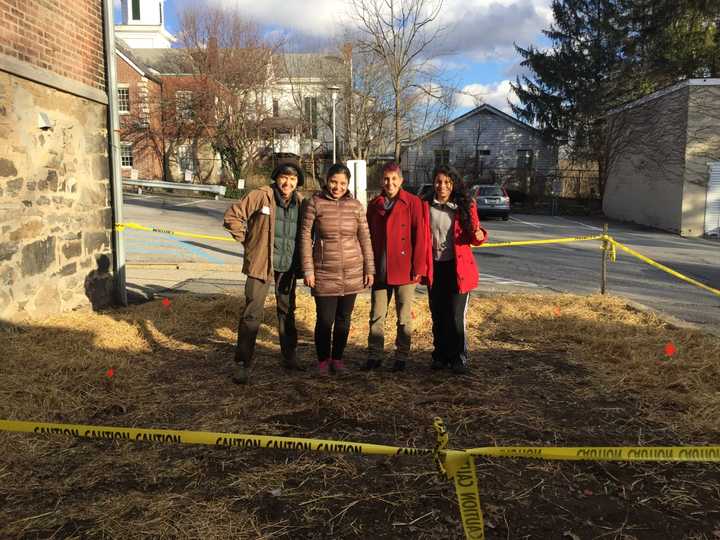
[547,370]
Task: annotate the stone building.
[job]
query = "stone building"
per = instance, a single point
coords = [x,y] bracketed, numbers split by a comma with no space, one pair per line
[55,195]
[662,151]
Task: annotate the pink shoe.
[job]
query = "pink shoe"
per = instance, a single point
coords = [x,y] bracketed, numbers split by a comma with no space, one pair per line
[324,367]
[338,366]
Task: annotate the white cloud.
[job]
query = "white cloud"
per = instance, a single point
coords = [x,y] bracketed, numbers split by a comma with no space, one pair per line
[495,94]
[482,29]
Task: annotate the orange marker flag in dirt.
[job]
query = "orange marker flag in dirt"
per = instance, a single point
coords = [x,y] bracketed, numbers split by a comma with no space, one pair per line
[110,372]
[670,349]
[166,302]
[556,311]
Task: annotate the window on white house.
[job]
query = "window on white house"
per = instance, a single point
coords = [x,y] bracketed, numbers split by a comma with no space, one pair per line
[160,6]
[183,104]
[186,161]
[525,159]
[126,155]
[276,108]
[136,10]
[442,156]
[483,152]
[311,116]
[123,95]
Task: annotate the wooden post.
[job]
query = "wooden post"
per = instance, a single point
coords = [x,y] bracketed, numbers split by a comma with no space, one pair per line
[603,273]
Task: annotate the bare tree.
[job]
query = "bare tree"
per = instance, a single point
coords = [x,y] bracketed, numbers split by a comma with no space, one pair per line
[399,34]
[232,63]
[162,127]
[306,77]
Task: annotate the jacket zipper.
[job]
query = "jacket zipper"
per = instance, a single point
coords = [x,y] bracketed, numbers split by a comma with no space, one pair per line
[342,257]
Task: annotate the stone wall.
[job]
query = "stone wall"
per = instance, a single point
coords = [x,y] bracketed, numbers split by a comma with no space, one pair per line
[55,218]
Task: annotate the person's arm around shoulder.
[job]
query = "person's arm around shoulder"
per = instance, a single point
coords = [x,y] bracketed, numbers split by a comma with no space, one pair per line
[480,233]
[306,249]
[363,233]
[237,215]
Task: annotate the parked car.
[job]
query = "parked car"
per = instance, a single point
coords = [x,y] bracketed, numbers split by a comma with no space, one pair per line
[492,201]
[424,189]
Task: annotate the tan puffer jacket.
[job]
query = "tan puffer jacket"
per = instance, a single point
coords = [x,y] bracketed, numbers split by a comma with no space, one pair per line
[338,250]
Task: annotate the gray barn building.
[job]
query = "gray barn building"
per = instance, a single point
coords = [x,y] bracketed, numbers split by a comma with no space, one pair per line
[479,143]
[664,159]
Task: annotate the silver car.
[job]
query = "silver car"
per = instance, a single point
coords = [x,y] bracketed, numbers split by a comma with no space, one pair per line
[493,201]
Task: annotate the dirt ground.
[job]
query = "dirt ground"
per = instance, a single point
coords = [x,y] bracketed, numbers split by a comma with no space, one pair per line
[546,370]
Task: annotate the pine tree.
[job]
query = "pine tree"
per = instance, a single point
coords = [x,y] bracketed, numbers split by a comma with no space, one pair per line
[605,53]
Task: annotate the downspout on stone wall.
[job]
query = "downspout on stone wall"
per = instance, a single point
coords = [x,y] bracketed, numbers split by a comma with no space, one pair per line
[113,123]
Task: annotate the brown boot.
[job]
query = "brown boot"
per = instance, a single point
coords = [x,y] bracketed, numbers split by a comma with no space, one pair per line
[240,375]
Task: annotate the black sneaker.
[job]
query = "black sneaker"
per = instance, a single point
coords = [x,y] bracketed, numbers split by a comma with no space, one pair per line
[437,364]
[459,368]
[291,364]
[371,364]
[399,365]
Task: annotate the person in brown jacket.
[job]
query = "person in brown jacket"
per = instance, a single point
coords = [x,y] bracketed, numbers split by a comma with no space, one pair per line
[337,261]
[266,221]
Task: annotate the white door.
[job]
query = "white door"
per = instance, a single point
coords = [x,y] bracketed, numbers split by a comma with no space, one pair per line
[712,204]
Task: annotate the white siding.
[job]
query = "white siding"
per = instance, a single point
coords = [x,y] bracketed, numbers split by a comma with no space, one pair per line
[501,136]
[712,208]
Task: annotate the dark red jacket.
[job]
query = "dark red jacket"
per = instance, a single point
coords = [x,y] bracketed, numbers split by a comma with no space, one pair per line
[465,267]
[399,235]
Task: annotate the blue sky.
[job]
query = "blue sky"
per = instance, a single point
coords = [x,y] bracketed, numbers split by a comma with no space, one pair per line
[478,54]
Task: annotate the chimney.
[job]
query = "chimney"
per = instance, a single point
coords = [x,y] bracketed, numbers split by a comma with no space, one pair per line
[212,54]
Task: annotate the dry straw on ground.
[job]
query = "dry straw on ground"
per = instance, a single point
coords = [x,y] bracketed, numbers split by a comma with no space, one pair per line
[547,370]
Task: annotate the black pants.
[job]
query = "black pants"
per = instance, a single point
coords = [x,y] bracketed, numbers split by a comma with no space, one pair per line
[447,308]
[255,293]
[333,318]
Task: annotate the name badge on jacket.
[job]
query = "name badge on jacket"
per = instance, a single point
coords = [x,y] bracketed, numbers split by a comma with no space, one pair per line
[265,210]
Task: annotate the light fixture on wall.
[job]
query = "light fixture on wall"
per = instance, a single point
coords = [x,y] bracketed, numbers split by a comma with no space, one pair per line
[44,122]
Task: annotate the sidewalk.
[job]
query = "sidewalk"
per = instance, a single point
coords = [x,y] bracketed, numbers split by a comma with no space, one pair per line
[148,281]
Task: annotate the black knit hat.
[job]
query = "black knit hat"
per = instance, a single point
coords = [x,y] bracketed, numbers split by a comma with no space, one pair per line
[289,167]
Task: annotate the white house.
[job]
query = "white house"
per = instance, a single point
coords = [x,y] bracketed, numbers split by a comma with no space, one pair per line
[480,143]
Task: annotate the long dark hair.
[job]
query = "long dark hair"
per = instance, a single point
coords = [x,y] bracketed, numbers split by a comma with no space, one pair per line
[460,196]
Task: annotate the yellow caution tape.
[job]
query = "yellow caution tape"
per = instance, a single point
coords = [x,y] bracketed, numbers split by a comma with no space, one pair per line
[123,226]
[209,438]
[613,252]
[603,453]
[564,240]
[664,268]
[458,465]
[466,487]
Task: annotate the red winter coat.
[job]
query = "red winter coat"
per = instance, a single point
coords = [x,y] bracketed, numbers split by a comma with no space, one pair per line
[399,235]
[465,267]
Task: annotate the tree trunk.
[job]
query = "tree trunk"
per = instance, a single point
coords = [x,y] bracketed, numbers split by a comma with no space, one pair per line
[397,126]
